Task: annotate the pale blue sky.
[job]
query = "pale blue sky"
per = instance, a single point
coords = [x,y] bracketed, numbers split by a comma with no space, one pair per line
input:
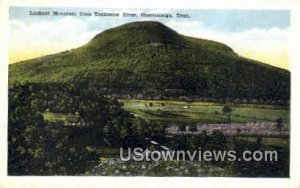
[219,20]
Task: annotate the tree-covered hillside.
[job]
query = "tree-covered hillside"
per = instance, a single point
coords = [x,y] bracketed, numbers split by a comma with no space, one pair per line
[151,59]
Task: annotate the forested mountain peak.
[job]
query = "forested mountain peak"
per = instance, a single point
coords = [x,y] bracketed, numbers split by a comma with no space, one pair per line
[151,58]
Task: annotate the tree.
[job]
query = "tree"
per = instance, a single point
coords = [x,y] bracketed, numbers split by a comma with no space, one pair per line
[279,124]
[38,148]
[217,140]
[193,128]
[227,110]
[182,129]
[259,140]
[25,124]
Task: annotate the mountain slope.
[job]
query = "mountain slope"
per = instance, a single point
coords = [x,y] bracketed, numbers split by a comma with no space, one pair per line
[150,58]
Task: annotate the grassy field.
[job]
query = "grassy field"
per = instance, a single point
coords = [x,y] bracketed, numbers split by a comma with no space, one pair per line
[266,141]
[57,117]
[179,112]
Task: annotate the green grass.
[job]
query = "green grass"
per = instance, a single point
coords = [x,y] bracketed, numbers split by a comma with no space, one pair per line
[104,151]
[172,112]
[57,117]
[266,141]
[169,111]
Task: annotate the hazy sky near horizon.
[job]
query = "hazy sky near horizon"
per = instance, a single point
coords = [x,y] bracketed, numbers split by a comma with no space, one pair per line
[257,34]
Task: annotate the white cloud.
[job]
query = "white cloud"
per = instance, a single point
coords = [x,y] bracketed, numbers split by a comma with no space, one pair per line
[62,34]
[267,45]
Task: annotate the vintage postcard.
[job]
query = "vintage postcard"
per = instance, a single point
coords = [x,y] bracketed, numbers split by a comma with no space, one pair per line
[172,92]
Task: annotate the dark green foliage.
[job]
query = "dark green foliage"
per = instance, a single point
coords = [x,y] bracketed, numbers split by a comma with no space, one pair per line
[150,58]
[214,141]
[36,147]
[279,124]
[182,128]
[279,168]
[227,110]
[24,134]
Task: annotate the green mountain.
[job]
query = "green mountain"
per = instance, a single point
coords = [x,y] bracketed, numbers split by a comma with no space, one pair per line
[151,59]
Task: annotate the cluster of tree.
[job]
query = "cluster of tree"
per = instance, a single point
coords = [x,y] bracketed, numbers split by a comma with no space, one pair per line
[38,147]
[276,167]
[216,141]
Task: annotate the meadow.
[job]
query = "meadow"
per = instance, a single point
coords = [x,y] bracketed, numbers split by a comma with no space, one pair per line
[182,112]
